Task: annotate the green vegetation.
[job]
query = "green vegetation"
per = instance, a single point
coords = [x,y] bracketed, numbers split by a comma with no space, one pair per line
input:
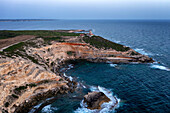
[133,53]
[15,96]
[100,42]
[21,88]
[19,49]
[31,85]
[69,53]
[48,39]
[61,79]
[9,34]
[51,38]
[6,34]
[32,59]
[15,47]
[111,56]
[44,82]
[61,40]
[6,104]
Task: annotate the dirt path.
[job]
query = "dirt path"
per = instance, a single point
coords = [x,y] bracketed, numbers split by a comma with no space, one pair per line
[10,41]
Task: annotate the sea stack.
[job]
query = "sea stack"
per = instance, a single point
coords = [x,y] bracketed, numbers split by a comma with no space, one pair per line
[94,100]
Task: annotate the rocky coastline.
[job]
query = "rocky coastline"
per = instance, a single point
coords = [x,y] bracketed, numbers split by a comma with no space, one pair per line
[33,70]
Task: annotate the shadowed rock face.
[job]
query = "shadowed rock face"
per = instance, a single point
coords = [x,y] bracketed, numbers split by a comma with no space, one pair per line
[94,100]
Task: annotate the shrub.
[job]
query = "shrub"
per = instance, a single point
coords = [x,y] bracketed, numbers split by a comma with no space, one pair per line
[38,33]
[32,85]
[21,88]
[133,53]
[100,42]
[70,53]
[15,47]
[15,96]
[6,104]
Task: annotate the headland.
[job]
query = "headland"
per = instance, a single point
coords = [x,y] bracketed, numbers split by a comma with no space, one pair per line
[32,63]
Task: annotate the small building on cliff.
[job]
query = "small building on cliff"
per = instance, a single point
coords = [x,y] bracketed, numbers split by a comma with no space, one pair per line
[88,33]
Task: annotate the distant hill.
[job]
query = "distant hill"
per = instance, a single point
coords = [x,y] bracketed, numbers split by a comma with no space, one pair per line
[14,20]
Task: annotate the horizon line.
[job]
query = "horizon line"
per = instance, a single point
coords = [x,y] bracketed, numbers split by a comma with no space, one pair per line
[5,20]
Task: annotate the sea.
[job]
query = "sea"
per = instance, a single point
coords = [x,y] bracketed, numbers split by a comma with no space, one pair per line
[139,88]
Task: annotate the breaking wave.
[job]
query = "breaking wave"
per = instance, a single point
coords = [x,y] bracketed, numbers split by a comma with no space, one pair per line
[49,109]
[113,65]
[71,78]
[156,66]
[116,41]
[141,51]
[105,107]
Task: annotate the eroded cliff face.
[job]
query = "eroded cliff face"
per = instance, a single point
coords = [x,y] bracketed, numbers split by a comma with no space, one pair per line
[23,84]
[53,55]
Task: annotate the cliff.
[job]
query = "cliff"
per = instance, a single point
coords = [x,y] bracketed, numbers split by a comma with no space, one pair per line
[31,71]
[24,84]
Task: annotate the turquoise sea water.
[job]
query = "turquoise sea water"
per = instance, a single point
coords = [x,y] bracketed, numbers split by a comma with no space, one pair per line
[140,87]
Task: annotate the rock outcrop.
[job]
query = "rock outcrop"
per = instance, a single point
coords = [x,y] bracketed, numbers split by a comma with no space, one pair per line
[53,55]
[24,84]
[94,100]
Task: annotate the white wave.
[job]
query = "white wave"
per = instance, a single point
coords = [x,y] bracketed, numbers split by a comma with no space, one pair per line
[74,96]
[49,98]
[71,78]
[83,109]
[34,108]
[134,62]
[159,54]
[49,109]
[114,100]
[142,51]
[105,107]
[108,93]
[156,66]
[94,88]
[80,85]
[70,66]
[116,41]
[65,75]
[84,86]
[108,62]
[113,65]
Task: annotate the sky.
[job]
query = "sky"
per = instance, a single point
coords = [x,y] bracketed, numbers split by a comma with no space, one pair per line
[84,9]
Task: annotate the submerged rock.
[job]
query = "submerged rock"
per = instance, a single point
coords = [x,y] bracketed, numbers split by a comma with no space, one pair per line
[94,100]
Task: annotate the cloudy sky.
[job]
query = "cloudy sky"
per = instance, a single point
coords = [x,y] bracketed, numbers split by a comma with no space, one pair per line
[84,9]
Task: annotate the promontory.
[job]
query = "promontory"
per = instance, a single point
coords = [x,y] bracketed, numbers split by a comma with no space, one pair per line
[32,62]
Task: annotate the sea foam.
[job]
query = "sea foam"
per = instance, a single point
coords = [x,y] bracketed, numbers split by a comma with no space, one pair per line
[49,109]
[113,65]
[105,107]
[142,51]
[156,66]
[116,41]
[71,78]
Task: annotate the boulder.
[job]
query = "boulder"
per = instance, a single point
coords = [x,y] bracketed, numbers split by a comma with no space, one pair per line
[94,100]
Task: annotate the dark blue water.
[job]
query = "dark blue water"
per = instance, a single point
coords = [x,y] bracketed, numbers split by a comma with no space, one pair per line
[140,87]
